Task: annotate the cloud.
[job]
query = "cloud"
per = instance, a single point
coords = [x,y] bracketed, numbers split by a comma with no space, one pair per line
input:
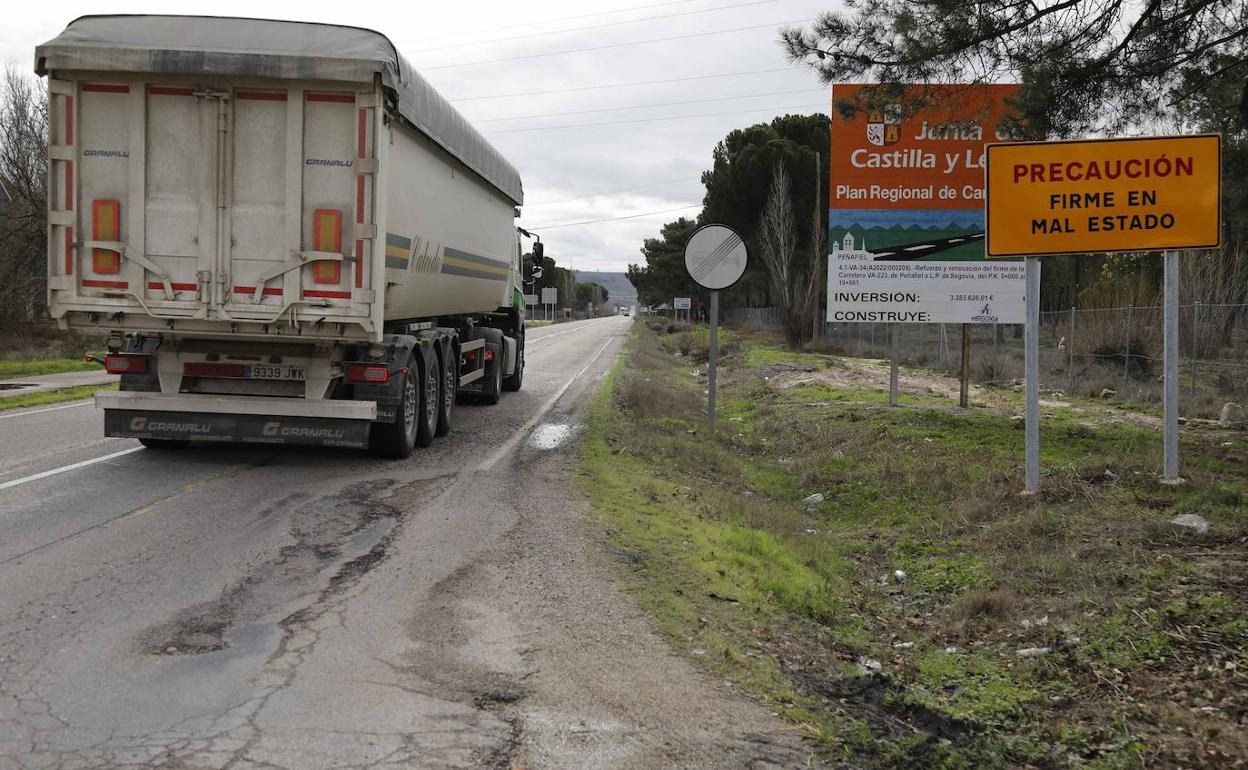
[566,171]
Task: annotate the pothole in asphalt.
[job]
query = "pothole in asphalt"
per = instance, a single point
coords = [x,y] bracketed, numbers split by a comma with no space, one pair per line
[348,529]
[552,435]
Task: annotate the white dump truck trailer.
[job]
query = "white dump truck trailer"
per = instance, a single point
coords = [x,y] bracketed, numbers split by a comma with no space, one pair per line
[285,234]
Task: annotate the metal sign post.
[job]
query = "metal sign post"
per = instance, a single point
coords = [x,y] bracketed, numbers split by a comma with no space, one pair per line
[712,362]
[715,259]
[965,389]
[892,363]
[1170,472]
[1031,375]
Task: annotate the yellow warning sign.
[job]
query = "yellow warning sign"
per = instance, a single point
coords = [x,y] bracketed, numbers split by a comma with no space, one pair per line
[1104,195]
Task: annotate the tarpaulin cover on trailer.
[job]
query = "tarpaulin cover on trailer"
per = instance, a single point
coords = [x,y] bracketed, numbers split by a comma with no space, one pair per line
[207,45]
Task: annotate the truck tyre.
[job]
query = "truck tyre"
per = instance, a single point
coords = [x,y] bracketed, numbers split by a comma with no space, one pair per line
[430,398]
[165,443]
[397,439]
[450,383]
[513,381]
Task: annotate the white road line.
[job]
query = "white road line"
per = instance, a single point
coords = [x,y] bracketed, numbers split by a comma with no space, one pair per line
[49,409]
[582,328]
[536,340]
[918,248]
[519,435]
[956,240]
[66,468]
[878,254]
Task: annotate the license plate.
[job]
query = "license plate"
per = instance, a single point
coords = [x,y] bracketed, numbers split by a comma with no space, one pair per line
[275,372]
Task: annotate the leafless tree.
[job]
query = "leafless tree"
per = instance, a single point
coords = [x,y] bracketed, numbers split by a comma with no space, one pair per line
[23,171]
[1218,281]
[790,283]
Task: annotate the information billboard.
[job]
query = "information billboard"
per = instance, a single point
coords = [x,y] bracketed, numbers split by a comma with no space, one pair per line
[906,208]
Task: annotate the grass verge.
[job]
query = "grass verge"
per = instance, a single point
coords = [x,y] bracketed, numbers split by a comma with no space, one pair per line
[919,612]
[52,397]
[14,368]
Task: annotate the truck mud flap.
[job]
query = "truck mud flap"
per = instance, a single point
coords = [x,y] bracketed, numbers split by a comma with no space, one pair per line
[237,428]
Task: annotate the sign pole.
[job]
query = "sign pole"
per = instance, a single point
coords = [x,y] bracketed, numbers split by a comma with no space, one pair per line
[964,393]
[712,362]
[1031,380]
[892,363]
[1170,474]
[816,272]
[715,258]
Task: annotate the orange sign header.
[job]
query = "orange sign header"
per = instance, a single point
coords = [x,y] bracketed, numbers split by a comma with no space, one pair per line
[930,158]
[1104,195]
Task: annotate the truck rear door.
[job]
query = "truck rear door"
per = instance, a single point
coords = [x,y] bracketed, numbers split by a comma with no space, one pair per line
[299,202]
[211,201]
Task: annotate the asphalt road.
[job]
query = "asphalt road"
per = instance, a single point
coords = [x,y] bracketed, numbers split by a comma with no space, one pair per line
[263,607]
[910,252]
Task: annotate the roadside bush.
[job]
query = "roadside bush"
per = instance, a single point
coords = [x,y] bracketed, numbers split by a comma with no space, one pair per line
[643,397]
[695,344]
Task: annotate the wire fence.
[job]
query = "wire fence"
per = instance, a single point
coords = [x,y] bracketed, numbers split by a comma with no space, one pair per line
[1112,352]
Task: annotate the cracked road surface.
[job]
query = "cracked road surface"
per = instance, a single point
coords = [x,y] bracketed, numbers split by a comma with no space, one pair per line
[247,607]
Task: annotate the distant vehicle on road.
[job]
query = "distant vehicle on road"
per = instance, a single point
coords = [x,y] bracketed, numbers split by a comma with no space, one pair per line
[301,244]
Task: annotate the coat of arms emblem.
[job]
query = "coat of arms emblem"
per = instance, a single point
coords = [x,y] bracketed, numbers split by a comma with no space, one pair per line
[884,126]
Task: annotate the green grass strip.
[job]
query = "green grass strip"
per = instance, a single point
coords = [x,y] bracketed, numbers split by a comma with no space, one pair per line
[52,397]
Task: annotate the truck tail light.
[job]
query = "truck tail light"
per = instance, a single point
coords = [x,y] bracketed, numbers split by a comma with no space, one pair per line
[489,356]
[367,373]
[327,236]
[126,364]
[105,226]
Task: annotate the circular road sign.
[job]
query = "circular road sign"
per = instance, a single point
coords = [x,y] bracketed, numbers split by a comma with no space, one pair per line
[715,257]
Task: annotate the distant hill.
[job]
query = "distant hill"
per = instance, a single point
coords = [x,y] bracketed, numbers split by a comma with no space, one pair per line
[617,285]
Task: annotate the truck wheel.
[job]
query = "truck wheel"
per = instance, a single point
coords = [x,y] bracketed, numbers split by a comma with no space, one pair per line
[450,383]
[512,381]
[397,439]
[430,392]
[165,443]
[493,390]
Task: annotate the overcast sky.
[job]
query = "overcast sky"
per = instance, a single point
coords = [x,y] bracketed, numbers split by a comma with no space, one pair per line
[626,164]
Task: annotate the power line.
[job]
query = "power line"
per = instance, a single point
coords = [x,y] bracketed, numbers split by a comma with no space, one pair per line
[615,219]
[550,21]
[614,45]
[509,38]
[620,85]
[647,106]
[613,192]
[648,120]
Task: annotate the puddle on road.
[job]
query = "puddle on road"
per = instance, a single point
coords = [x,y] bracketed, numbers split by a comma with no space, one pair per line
[551,435]
[246,641]
[363,541]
